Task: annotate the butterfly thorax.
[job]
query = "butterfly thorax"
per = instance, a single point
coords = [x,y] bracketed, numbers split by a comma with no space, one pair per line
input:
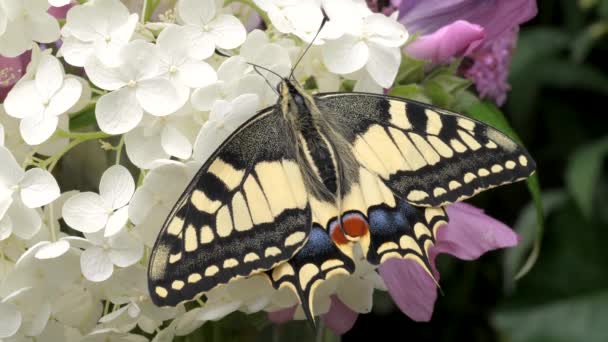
[319,156]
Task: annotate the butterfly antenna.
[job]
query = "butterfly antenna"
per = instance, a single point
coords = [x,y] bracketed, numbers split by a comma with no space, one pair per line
[255,68]
[325,19]
[223,54]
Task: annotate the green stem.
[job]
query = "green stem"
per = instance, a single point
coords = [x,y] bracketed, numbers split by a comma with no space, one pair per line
[251,4]
[119,149]
[51,162]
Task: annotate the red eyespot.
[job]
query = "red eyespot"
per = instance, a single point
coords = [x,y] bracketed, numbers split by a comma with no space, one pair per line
[355,226]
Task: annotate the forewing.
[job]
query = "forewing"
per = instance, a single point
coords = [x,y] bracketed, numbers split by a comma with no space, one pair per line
[426,155]
[245,211]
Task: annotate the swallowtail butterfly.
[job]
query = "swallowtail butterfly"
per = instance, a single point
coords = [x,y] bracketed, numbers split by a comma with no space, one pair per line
[301,184]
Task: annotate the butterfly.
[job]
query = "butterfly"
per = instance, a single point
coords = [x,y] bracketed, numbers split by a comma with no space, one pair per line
[295,188]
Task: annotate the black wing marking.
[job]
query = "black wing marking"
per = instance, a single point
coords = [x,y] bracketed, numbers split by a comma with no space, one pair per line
[316,262]
[426,155]
[245,211]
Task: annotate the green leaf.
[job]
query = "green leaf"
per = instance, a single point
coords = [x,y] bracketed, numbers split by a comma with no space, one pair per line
[583,173]
[582,318]
[410,91]
[537,44]
[488,113]
[84,118]
[526,226]
[411,70]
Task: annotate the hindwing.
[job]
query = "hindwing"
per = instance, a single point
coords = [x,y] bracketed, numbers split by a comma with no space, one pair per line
[426,155]
[245,211]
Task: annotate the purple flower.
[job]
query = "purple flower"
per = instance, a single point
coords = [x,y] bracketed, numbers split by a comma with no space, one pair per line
[60,12]
[469,234]
[441,40]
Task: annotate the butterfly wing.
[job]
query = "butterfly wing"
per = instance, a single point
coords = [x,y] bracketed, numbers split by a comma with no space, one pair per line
[426,155]
[231,221]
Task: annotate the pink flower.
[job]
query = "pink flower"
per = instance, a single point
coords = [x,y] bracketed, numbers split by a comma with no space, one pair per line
[459,38]
[469,234]
[11,70]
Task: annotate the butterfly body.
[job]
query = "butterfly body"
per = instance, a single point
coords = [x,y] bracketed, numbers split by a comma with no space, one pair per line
[297,187]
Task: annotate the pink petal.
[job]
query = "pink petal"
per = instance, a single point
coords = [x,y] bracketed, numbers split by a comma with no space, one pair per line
[11,70]
[60,12]
[453,40]
[470,233]
[411,287]
[340,317]
[283,315]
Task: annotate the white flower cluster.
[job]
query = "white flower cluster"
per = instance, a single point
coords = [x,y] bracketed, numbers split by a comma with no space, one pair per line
[73,264]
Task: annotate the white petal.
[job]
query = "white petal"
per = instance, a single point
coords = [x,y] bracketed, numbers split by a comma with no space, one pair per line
[158,96]
[15,39]
[53,250]
[6,228]
[196,74]
[38,188]
[228,31]
[125,250]
[103,76]
[385,31]
[116,186]
[26,221]
[85,212]
[383,64]
[44,28]
[366,83]
[76,52]
[139,60]
[10,319]
[345,55]
[196,12]
[243,108]
[215,311]
[59,3]
[175,143]
[140,205]
[203,98]
[119,111]
[49,76]
[232,69]
[174,41]
[10,172]
[23,100]
[117,221]
[95,264]
[36,129]
[143,150]
[202,45]
[357,294]
[65,98]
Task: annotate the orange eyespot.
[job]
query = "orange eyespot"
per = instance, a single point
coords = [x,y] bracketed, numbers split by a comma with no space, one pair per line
[354,225]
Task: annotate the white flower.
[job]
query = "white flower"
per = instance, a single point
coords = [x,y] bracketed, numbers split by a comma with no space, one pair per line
[39,102]
[258,49]
[137,307]
[300,17]
[153,200]
[158,138]
[33,312]
[369,40]
[107,334]
[22,22]
[89,212]
[136,85]
[225,118]
[98,28]
[210,28]
[21,192]
[234,79]
[121,249]
[59,3]
[174,44]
